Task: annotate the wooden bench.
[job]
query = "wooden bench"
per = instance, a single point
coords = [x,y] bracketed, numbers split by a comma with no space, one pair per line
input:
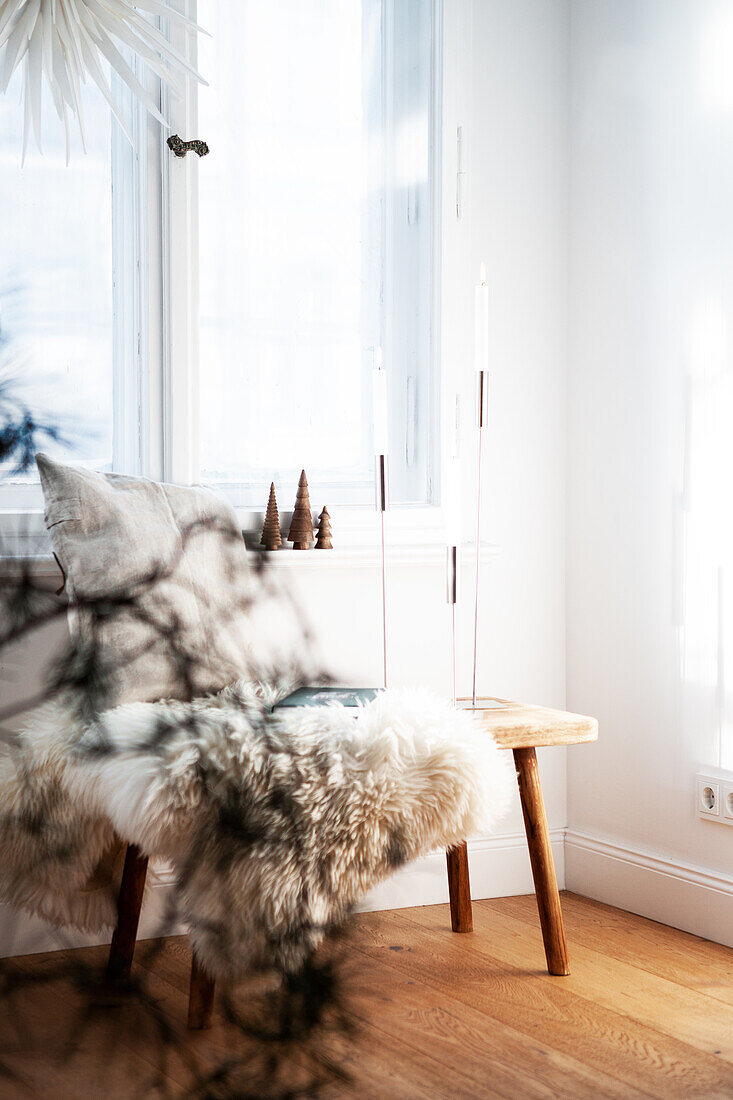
[515,726]
[524,728]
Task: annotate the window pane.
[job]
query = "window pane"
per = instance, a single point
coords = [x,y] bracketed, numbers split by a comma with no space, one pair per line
[56,276]
[315,219]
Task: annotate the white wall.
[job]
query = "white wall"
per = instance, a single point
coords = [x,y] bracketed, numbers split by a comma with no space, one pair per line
[515,115]
[513,103]
[518,159]
[519,174]
[650,302]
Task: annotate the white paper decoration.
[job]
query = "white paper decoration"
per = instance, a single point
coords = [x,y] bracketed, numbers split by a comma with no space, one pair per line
[65,41]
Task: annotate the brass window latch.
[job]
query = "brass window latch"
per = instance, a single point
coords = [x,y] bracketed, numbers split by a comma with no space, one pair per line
[180,147]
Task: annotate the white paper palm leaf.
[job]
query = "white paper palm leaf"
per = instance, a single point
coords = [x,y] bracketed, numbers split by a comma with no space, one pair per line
[64,41]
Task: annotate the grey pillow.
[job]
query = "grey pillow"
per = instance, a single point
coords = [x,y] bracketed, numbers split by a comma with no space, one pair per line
[178,551]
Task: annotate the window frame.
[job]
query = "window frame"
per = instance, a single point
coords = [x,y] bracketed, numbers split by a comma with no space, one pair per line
[181,306]
[129,184]
[165,304]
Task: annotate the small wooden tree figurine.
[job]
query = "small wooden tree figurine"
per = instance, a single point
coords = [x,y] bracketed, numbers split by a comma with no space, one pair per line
[271,537]
[323,536]
[301,527]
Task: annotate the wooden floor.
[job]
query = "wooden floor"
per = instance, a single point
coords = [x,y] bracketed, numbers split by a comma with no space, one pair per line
[647,1011]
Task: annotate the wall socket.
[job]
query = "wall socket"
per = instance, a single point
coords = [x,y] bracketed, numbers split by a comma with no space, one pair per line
[714,798]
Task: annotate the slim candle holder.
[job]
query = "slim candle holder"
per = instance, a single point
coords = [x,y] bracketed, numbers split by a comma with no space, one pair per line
[452,599]
[452,494]
[482,415]
[481,358]
[381,482]
[382,502]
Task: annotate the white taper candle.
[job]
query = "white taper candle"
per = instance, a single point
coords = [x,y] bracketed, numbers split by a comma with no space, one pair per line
[381,419]
[453,510]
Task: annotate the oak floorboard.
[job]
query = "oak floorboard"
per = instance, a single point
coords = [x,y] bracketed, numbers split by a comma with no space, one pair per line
[670,1008]
[52,1058]
[421,1015]
[680,957]
[122,1042]
[644,1013]
[514,986]
[405,1075]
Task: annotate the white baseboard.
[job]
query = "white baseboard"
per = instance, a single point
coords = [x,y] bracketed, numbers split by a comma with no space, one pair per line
[666,890]
[499,867]
[670,891]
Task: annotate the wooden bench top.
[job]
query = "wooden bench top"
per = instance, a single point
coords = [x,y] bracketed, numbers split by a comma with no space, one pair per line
[523,726]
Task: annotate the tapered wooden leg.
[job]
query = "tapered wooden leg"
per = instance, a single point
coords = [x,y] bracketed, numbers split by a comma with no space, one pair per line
[543,865]
[129,904]
[459,888]
[200,997]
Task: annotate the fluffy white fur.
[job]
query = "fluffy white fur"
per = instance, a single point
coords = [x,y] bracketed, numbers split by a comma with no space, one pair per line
[275,826]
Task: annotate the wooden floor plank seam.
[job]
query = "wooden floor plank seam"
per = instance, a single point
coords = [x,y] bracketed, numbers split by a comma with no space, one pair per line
[647,1012]
[610,1087]
[663,988]
[557,990]
[714,1032]
[687,957]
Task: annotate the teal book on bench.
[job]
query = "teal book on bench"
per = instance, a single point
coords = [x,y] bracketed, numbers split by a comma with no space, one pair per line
[322,696]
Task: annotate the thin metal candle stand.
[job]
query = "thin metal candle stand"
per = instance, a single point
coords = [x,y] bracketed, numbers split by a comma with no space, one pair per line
[482,409]
[452,597]
[382,493]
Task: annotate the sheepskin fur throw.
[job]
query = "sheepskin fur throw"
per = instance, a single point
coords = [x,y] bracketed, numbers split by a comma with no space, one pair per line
[275,823]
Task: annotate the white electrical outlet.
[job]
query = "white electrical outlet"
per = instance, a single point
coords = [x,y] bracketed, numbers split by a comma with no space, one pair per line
[714,797]
[708,796]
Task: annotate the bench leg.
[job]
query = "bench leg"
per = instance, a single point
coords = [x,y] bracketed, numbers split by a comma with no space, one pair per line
[543,866]
[200,997]
[129,904]
[459,888]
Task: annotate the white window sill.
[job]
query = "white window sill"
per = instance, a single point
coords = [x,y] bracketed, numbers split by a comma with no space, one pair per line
[414,536]
[354,557]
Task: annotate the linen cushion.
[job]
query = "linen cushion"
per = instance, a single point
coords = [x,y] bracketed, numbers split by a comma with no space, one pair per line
[179,551]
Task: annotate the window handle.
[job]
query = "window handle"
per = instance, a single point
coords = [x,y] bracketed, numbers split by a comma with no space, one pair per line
[180,147]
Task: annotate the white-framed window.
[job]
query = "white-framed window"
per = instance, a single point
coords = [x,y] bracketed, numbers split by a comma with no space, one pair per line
[316,243]
[217,320]
[69,281]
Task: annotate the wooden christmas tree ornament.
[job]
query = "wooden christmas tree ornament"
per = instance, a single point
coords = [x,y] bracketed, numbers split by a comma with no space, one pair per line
[301,527]
[271,538]
[323,537]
